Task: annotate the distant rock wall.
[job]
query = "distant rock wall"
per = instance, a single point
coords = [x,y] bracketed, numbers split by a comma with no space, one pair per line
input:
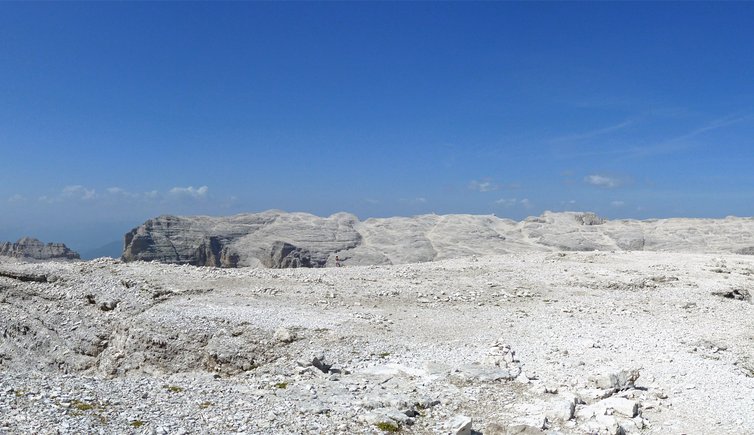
[28,247]
[277,239]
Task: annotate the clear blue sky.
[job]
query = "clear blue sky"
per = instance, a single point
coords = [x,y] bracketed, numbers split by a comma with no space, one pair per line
[111,113]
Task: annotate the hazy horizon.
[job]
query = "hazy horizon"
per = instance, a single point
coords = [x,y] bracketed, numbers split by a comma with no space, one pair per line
[113,113]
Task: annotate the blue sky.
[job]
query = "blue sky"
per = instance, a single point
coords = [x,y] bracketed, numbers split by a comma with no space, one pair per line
[111,113]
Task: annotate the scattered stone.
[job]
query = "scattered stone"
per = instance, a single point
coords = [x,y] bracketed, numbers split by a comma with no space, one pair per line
[24,277]
[562,410]
[735,294]
[617,381]
[495,429]
[284,335]
[459,425]
[523,429]
[108,305]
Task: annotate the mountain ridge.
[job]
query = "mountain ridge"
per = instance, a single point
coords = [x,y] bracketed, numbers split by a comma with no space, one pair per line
[279,239]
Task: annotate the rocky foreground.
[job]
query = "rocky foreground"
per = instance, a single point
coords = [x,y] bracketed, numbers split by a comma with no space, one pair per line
[276,239]
[571,343]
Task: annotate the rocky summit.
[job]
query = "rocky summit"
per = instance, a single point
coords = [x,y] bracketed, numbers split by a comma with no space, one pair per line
[31,248]
[277,239]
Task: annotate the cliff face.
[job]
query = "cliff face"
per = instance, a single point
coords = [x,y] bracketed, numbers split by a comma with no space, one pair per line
[277,239]
[28,247]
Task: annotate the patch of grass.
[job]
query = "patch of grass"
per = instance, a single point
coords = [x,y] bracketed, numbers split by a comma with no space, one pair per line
[137,423]
[281,385]
[173,388]
[388,427]
[82,406]
[205,405]
[20,393]
[384,354]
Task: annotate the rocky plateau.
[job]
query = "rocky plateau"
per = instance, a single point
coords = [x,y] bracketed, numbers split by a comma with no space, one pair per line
[544,339]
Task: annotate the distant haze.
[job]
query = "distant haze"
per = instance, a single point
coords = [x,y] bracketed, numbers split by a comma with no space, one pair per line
[112,113]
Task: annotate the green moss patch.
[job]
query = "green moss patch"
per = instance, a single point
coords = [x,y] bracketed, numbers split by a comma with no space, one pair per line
[388,427]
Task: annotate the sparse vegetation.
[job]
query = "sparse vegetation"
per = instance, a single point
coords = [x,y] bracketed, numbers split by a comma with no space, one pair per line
[384,354]
[137,423]
[205,405]
[82,406]
[281,385]
[387,427]
[173,388]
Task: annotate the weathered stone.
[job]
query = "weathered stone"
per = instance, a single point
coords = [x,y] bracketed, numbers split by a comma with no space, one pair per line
[562,410]
[617,381]
[523,429]
[459,425]
[31,248]
[621,405]
[284,335]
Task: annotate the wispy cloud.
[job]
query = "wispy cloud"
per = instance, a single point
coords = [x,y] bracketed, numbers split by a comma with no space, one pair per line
[602,181]
[506,202]
[685,141]
[671,145]
[591,133]
[617,203]
[414,201]
[80,193]
[189,192]
[512,202]
[17,198]
[485,185]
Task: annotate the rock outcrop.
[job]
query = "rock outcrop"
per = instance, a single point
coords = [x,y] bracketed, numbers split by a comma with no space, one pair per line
[277,239]
[30,248]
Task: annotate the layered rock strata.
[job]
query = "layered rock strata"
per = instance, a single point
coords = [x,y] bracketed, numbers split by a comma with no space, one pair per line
[30,248]
[277,239]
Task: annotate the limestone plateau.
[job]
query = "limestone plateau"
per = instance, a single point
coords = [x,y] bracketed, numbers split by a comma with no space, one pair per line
[567,343]
[276,239]
[30,248]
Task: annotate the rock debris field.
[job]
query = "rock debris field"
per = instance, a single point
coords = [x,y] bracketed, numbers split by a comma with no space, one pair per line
[543,342]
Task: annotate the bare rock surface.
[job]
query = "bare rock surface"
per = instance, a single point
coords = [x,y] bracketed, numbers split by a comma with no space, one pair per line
[30,248]
[277,239]
[537,342]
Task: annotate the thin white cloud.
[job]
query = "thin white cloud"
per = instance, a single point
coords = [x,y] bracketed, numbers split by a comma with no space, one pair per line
[414,201]
[371,201]
[512,202]
[617,203]
[189,192]
[506,202]
[78,192]
[671,145]
[485,185]
[601,181]
[118,192]
[15,199]
[592,133]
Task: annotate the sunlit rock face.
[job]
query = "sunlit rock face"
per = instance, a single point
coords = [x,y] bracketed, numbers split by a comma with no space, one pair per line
[277,239]
[31,248]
